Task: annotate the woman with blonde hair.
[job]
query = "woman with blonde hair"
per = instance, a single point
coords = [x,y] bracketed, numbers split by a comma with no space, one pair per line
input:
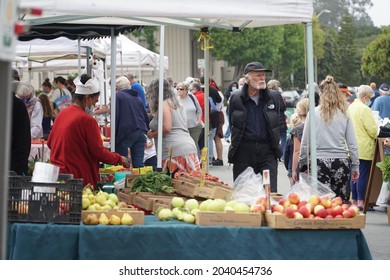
[175,131]
[296,135]
[336,141]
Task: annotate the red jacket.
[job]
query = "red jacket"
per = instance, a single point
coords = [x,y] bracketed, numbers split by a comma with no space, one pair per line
[76,145]
[200,96]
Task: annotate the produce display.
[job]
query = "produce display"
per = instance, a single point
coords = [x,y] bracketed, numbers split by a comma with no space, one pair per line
[315,208]
[94,219]
[153,182]
[100,200]
[186,210]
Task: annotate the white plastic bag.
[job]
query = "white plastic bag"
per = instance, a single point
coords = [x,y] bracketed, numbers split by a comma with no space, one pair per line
[384,196]
[248,187]
[305,187]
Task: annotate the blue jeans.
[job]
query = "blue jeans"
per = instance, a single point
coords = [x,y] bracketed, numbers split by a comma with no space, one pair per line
[136,142]
[227,133]
[283,137]
[211,143]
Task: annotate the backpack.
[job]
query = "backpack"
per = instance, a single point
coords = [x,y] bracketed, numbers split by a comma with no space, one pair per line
[193,100]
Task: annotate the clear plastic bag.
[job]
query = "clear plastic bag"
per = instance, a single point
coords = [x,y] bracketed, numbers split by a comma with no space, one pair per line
[384,196]
[248,187]
[307,186]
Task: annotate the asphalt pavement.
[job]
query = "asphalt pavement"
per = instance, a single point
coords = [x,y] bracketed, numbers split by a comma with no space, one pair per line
[376,231]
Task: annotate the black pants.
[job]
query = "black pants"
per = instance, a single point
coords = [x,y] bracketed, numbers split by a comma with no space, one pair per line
[259,156]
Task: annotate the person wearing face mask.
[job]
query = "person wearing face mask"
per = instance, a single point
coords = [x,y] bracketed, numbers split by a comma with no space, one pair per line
[366,132]
[26,93]
[254,124]
[75,142]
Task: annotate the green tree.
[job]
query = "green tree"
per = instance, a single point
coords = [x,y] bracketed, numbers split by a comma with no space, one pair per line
[239,48]
[348,66]
[147,33]
[327,64]
[333,19]
[376,57]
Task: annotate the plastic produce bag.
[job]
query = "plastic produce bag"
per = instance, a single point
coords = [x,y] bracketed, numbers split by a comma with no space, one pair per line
[384,196]
[248,187]
[306,187]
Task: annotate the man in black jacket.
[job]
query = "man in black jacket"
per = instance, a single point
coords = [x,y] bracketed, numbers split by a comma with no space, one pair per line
[254,122]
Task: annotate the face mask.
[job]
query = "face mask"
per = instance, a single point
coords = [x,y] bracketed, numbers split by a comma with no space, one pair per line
[240,86]
[45,91]
[89,110]
[25,100]
[234,88]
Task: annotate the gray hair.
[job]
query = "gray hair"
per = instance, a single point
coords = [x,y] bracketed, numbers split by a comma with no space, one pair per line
[169,95]
[365,91]
[122,83]
[25,89]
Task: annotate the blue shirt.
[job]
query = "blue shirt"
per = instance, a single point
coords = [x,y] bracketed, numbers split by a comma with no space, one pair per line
[130,114]
[382,104]
[256,128]
[141,93]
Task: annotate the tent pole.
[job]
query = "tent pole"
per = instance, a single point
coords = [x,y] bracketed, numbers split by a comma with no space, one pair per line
[160,100]
[78,56]
[312,119]
[206,102]
[5,147]
[113,88]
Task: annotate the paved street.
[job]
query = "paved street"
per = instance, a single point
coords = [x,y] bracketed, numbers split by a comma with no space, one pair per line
[376,232]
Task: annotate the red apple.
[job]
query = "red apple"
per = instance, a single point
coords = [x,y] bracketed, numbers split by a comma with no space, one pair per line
[337,200]
[347,214]
[294,206]
[302,203]
[314,199]
[304,211]
[317,208]
[298,215]
[294,198]
[258,208]
[326,201]
[289,212]
[310,206]
[322,213]
[354,208]
[337,210]
[282,201]
[339,217]
[278,208]
[262,201]
[345,206]
[328,217]
[312,216]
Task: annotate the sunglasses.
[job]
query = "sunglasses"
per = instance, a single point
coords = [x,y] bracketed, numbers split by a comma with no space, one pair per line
[180,89]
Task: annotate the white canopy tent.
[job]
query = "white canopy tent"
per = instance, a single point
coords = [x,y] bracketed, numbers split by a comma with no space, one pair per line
[227,14]
[62,53]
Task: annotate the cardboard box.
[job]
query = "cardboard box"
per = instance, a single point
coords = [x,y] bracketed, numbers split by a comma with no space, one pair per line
[130,178]
[138,216]
[126,196]
[228,219]
[282,222]
[146,200]
[188,189]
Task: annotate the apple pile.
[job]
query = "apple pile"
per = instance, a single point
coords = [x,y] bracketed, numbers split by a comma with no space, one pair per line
[316,208]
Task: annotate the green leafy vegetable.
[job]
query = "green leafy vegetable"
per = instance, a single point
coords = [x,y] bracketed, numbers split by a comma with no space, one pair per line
[385,167]
[153,182]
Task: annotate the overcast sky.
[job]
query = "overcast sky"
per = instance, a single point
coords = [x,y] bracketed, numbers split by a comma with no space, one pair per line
[379,12]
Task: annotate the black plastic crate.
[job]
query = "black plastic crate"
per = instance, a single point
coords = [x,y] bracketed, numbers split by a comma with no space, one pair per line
[45,202]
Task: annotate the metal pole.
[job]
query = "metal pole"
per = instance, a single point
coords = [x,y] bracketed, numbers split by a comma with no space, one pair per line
[312,119]
[113,89]
[160,99]
[206,102]
[5,146]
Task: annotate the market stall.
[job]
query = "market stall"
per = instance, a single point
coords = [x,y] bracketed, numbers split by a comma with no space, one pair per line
[177,240]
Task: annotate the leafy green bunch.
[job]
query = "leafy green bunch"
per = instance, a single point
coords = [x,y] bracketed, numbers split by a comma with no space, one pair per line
[385,167]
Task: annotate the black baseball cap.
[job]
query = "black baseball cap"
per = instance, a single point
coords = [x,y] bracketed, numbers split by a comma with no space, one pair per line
[255,66]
